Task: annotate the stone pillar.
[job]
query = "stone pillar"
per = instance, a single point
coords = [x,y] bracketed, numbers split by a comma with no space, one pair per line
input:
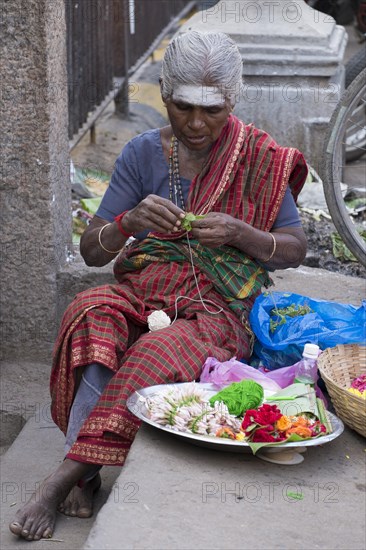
[293,73]
[35,192]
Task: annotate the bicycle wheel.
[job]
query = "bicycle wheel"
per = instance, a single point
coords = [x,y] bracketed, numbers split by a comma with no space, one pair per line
[355,65]
[337,174]
[356,136]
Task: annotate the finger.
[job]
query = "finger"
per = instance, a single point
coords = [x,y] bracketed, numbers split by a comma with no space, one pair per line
[153,216]
[209,238]
[208,222]
[161,220]
[200,225]
[204,232]
[167,204]
[166,208]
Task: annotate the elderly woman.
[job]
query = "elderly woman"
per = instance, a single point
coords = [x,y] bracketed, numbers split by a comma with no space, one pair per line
[207,162]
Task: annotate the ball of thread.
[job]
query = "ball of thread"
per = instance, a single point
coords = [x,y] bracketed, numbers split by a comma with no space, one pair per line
[240,396]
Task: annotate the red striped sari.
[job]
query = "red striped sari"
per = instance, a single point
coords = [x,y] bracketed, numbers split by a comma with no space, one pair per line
[245,176]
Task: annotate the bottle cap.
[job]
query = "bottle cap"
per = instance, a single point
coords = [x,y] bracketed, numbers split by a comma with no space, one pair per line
[311,351]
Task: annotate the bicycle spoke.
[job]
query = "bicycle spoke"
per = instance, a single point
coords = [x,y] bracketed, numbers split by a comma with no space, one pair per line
[356,125]
[355,146]
[351,165]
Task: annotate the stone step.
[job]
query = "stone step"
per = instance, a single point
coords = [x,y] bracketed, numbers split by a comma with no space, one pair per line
[173,495]
[35,453]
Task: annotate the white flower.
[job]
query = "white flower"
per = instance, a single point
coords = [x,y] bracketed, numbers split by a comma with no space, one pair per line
[186,409]
[158,319]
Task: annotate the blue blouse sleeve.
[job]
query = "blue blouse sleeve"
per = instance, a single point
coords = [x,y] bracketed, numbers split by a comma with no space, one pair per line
[288,215]
[125,188]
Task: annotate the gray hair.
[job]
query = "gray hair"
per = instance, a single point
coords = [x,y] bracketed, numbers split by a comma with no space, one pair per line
[203,59]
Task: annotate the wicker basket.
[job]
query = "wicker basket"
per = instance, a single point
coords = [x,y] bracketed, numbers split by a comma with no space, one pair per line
[338,367]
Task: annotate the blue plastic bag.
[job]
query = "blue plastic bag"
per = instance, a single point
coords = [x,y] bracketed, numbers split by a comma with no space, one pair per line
[329,324]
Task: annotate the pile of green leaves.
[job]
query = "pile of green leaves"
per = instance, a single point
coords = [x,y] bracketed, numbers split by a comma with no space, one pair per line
[340,250]
[188,218]
[289,311]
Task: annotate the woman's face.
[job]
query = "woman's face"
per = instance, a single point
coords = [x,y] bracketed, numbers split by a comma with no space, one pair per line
[197,126]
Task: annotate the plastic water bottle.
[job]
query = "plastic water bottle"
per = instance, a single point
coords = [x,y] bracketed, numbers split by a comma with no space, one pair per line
[307,369]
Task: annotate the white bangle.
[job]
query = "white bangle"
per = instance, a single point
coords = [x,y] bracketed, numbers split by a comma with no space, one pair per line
[100,241]
[273,250]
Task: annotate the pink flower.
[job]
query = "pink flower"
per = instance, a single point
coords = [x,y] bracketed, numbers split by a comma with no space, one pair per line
[359,383]
[317,428]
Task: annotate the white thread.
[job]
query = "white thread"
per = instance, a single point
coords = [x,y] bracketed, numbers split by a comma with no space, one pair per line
[202,300]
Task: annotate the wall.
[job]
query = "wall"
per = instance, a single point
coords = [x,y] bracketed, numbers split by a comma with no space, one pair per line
[35,190]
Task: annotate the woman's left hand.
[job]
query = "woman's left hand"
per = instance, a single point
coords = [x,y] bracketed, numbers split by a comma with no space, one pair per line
[285,247]
[215,229]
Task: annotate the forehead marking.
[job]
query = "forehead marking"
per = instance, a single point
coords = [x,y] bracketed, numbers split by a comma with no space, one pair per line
[205,96]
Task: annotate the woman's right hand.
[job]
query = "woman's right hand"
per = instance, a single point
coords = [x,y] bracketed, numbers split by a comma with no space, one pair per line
[153,213]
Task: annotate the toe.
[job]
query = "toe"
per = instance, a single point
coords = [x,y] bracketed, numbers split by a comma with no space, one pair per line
[85,512]
[65,508]
[73,510]
[24,533]
[26,530]
[47,533]
[16,527]
[43,531]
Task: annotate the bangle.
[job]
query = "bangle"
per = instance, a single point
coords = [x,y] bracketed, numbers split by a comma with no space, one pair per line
[273,250]
[100,241]
[118,219]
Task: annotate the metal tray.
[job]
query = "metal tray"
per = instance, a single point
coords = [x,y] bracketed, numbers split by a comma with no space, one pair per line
[136,404]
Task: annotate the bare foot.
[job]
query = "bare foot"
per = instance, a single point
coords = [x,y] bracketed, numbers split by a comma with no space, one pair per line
[79,502]
[37,518]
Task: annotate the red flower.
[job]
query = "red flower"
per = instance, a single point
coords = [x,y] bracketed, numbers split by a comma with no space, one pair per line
[266,415]
[262,435]
[261,424]
[249,418]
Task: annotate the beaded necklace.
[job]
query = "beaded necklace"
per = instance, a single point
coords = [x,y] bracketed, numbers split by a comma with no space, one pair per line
[175,186]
